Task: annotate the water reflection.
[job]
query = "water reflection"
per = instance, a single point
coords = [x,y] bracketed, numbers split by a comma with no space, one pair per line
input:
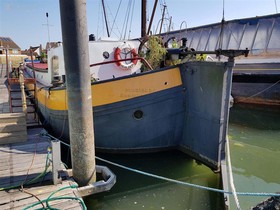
[255,151]
[135,191]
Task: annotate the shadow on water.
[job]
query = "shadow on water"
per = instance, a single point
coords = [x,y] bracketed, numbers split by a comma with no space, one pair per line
[256,116]
[136,191]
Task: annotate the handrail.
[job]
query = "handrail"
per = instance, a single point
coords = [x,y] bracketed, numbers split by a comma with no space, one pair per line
[126,59]
[23,97]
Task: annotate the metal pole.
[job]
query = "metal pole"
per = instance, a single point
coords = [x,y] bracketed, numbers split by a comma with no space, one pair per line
[47,15]
[32,63]
[170,22]
[7,65]
[105,17]
[56,162]
[23,97]
[162,18]
[76,57]
[152,17]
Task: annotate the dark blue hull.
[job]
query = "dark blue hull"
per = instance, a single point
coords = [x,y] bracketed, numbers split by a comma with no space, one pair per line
[192,116]
[117,128]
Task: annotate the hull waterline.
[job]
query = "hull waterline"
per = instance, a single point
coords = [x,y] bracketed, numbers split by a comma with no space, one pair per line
[184,107]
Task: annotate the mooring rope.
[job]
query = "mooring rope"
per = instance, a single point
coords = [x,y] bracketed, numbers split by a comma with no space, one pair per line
[187,183]
[174,180]
[271,86]
[231,176]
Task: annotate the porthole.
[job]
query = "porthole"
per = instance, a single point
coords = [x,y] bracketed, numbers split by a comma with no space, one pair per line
[138,114]
[106,55]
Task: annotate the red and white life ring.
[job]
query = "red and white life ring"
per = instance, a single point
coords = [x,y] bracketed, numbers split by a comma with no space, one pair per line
[125,49]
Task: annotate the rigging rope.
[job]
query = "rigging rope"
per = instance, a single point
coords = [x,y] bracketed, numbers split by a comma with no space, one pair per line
[115,19]
[114,23]
[127,14]
[166,12]
[131,20]
[98,21]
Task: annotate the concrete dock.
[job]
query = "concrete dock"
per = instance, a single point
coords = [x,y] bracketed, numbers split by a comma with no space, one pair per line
[25,166]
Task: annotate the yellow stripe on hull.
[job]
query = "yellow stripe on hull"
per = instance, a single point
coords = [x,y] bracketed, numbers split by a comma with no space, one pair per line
[118,90]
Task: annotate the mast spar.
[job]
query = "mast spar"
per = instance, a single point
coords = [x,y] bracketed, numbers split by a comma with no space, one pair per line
[105,17]
[162,18]
[152,17]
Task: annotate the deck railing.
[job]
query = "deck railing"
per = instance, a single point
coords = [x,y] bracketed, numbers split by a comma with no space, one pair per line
[23,96]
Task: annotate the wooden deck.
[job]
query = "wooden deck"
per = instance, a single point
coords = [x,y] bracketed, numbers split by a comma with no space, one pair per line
[21,162]
[24,161]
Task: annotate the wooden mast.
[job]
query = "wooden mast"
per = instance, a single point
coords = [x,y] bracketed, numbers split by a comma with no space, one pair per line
[144,18]
[152,17]
[162,18]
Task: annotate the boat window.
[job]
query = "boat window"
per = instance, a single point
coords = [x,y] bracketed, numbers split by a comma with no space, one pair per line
[55,65]
[55,69]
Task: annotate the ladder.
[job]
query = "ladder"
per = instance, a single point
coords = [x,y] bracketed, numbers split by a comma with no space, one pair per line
[23,100]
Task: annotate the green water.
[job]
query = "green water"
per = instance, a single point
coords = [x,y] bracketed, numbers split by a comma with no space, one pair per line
[135,191]
[255,152]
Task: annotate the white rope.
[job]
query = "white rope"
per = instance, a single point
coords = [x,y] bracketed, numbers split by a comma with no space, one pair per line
[231,176]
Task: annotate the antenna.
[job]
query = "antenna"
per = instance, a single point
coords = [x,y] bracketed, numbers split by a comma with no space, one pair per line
[48,26]
[47,15]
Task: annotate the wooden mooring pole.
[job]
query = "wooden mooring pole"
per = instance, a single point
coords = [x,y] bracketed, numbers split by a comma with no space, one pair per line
[76,57]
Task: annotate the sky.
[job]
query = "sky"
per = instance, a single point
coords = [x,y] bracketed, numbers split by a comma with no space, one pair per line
[25,21]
